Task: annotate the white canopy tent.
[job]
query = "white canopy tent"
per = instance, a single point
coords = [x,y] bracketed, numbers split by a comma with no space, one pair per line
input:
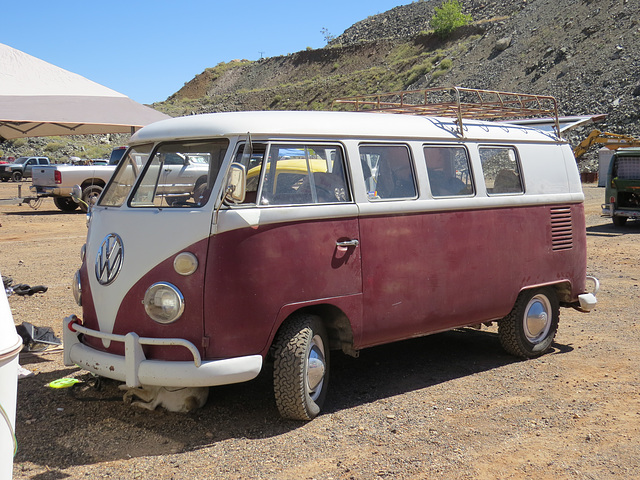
[39,99]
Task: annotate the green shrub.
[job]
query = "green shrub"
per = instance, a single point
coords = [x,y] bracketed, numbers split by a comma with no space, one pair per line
[445,64]
[448,17]
[53,147]
[438,73]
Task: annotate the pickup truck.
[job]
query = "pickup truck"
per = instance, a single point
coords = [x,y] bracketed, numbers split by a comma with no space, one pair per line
[21,168]
[57,181]
[178,172]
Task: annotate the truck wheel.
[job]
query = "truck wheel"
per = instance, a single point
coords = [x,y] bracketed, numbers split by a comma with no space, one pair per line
[17,176]
[301,367]
[528,331]
[619,221]
[200,194]
[90,195]
[66,204]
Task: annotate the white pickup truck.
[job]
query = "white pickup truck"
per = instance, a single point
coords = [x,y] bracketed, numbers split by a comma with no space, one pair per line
[58,181]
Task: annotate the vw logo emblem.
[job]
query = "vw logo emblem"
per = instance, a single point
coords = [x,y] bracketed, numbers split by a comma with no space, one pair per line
[109,259]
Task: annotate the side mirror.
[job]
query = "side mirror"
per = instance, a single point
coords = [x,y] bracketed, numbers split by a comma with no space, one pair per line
[235,187]
[76,193]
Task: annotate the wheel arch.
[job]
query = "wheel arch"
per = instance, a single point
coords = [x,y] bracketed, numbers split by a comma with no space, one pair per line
[336,322]
[93,181]
[563,289]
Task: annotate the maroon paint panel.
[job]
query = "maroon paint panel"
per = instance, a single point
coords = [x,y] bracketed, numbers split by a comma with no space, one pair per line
[420,274]
[253,273]
[435,271]
[131,316]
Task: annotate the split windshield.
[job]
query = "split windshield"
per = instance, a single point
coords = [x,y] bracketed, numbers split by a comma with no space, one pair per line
[175,175]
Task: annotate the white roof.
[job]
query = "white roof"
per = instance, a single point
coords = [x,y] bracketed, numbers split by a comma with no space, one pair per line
[333,124]
[40,99]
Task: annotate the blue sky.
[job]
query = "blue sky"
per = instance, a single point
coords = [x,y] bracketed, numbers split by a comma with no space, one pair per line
[149,49]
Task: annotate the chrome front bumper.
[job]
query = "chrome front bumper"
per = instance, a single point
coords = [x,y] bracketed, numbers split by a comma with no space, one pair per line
[136,370]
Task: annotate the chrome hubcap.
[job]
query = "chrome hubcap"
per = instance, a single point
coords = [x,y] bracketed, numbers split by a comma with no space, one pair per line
[537,318]
[315,367]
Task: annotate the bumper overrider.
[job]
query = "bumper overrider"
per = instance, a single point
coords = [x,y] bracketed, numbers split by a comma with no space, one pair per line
[588,301]
[136,370]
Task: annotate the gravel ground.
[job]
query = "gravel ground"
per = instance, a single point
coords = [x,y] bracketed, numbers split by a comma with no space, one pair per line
[451,405]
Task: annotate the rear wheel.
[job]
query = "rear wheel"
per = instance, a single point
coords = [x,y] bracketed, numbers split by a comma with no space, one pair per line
[66,204]
[301,367]
[90,196]
[200,194]
[619,221]
[17,176]
[528,331]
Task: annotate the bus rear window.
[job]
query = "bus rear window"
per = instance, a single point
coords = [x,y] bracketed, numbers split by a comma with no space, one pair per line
[501,170]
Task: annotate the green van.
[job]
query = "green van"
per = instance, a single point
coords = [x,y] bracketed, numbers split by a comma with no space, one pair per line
[623,186]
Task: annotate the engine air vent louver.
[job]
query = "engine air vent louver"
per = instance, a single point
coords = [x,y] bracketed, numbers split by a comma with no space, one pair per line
[561,228]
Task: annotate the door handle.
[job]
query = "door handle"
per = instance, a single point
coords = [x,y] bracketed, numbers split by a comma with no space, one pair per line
[348,243]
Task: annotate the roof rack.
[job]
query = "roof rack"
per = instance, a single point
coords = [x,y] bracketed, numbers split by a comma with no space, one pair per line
[458,102]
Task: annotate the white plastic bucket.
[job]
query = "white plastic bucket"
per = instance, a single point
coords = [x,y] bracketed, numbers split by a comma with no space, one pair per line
[10,346]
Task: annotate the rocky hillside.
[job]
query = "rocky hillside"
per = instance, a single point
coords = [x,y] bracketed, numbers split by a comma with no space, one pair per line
[586,53]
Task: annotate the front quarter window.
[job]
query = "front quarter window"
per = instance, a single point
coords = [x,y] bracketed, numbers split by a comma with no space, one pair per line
[125,176]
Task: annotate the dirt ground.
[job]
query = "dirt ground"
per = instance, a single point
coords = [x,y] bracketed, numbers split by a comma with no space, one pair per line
[451,405]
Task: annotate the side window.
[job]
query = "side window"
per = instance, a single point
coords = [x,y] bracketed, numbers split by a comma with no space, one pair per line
[388,171]
[449,171]
[174,159]
[301,174]
[501,170]
[42,161]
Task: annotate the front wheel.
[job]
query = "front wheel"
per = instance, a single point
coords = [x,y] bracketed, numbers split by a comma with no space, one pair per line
[17,176]
[66,204]
[301,367]
[528,331]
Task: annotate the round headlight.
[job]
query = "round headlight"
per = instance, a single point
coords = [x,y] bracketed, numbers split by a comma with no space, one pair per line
[77,288]
[163,302]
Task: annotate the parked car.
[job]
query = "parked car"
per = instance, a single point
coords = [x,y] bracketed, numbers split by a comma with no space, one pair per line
[21,168]
[622,194]
[179,174]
